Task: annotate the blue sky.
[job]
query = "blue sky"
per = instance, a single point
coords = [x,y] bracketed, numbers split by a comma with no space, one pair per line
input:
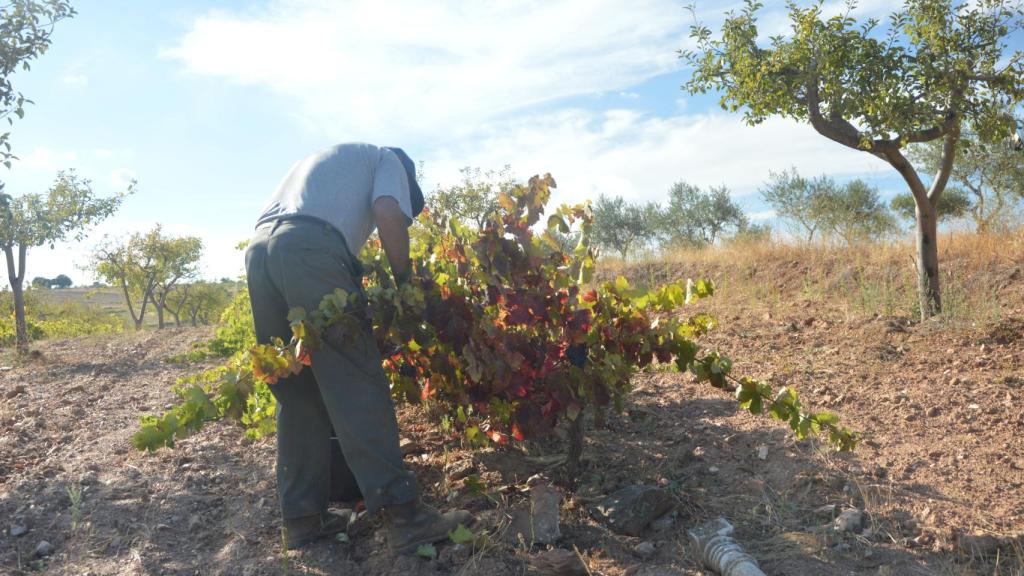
[207,104]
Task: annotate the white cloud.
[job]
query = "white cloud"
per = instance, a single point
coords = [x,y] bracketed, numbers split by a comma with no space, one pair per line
[379,70]
[35,171]
[46,159]
[762,215]
[623,152]
[77,80]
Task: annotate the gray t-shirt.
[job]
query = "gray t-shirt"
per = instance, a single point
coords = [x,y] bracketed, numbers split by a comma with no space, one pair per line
[339,186]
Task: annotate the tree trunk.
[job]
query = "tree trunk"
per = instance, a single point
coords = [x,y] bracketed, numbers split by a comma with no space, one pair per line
[160,308]
[131,308]
[16,277]
[20,324]
[928,290]
[572,461]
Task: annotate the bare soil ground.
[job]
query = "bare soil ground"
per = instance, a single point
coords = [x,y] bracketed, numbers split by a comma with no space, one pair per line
[939,473]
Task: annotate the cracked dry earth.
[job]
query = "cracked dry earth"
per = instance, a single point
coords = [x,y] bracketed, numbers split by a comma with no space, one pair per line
[938,477]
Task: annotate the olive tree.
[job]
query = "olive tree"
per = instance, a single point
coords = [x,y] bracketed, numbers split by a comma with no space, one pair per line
[793,198]
[700,217]
[475,198]
[622,226]
[64,212]
[852,212]
[936,69]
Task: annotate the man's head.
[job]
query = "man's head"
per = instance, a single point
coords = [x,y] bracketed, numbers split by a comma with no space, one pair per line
[415,194]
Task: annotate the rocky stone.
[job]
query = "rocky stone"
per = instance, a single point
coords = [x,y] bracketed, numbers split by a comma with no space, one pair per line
[851,520]
[537,522]
[665,523]
[16,391]
[559,562]
[460,469]
[630,510]
[644,549]
[454,555]
[44,549]
[978,544]
[827,511]
[409,447]
[17,530]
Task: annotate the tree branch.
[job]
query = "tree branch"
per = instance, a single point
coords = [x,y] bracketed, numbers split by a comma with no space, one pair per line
[898,161]
[11,270]
[945,165]
[836,129]
[22,253]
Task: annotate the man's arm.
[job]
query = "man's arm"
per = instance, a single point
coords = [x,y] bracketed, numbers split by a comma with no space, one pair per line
[393,229]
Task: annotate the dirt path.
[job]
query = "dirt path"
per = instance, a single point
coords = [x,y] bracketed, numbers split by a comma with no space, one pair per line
[943,455]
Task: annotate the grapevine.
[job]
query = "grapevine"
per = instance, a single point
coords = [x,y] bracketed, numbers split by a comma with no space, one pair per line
[501,327]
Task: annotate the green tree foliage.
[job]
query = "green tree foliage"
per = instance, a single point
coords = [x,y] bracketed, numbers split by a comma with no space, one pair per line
[501,329]
[177,260]
[475,199]
[198,302]
[698,217]
[25,29]
[792,197]
[623,227]
[64,212]
[852,212]
[752,234]
[936,69]
[61,281]
[142,264]
[953,204]
[991,175]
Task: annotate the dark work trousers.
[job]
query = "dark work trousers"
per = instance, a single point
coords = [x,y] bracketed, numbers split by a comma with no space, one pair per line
[294,263]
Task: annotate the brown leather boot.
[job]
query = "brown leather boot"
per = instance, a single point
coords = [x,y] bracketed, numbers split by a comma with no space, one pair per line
[306,529]
[415,524]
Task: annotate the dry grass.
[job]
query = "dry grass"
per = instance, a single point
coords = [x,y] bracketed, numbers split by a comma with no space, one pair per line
[867,279]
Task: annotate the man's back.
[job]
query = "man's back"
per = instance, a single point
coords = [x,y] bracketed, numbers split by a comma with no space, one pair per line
[339,186]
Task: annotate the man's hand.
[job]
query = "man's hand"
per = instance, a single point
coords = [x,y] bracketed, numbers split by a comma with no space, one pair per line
[393,229]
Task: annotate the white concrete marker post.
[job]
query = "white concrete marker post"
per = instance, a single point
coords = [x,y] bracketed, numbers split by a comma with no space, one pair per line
[714,546]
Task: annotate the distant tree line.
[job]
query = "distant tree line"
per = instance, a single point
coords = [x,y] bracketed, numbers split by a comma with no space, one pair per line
[691,217]
[987,187]
[60,282]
